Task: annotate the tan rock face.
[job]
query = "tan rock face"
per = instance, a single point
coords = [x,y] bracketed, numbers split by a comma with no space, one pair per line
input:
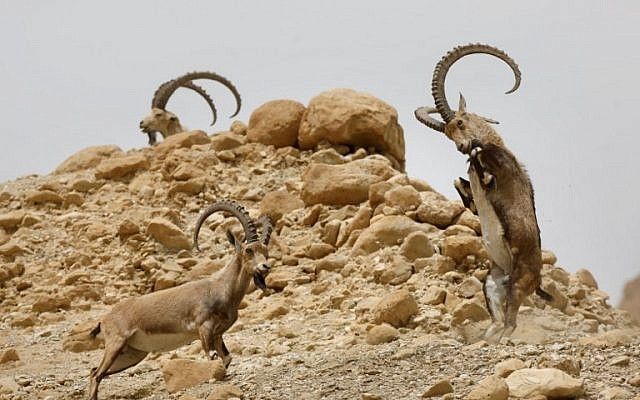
[343,184]
[276,123]
[438,211]
[278,203]
[119,167]
[490,388]
[396,308]
[387,231]
[168,234]
[631,298]
[87,158]
[416,245]
[182,374]
[549,382]
[344,116]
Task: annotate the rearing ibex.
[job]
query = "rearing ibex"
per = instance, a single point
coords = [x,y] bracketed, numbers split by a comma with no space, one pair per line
[499,191]
[166,122]
[202,309]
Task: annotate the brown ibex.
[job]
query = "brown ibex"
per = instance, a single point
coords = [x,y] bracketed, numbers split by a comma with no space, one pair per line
[202,309]
[499,191]
[166,122]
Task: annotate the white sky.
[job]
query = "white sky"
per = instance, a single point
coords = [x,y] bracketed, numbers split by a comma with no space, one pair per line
[76,74]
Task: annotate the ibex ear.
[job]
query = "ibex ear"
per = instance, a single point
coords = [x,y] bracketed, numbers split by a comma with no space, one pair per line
[233,240]
[489,120]
[462,104]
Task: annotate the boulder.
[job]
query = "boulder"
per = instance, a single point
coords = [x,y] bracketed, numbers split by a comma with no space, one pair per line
[168,234]
[344,116]
[395,273]
[549,382]
[490,388]
[279,203]
[404,197]
[50,303]
[182,140]
[276,123]
[12,219]
[225,391]
[43,196]
[459,247]
[226,141]
[387,231]
[437,210]
[440,388]
[87,158]
[585,277]
[8,355]
[181,374]
[416,245]
[384,333]
[468,310]
[345,183]
[80,339]
[118,167]
[506,367]
[396,308]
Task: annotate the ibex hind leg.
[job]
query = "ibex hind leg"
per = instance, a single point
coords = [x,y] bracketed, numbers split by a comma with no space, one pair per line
[112,348]
[495,293]
[514,300]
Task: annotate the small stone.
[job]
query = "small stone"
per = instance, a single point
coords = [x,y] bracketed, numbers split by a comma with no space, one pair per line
[434,296]
[168,234]
[181,374]
[319,250]
[620,361]
[615,393]
[370,396]
[225,392]
[395,308]
[440,388]
[416,245]
[490,388]
[48,303]
[635,381]
[506,367]
[469,287]
[8,355]
[468,310]
[382,334]
[585,277]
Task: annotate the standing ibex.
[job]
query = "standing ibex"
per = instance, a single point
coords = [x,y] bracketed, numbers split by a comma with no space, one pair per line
[166,122]
[202,309]
[499,191]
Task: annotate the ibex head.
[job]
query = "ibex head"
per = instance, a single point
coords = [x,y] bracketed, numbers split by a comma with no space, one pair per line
[460,126]
[253,251]
[166,122]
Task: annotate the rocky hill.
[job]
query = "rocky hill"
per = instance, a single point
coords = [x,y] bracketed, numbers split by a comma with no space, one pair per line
[375,289]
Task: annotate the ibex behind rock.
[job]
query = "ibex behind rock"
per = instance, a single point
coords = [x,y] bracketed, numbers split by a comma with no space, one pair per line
[202,309]
[166,122]
[499,191]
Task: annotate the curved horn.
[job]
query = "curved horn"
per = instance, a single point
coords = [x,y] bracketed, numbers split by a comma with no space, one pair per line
[165,90]
[266,227]
[235,209]
[422,115]
[205,95]
[440,73]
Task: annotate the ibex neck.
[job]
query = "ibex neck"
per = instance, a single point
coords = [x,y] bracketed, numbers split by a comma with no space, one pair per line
[236,279]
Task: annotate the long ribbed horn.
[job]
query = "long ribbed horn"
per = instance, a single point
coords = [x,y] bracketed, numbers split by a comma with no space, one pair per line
[422,115]
[440,73]
[165,90]
[266,227]
[235,209]
[155,102]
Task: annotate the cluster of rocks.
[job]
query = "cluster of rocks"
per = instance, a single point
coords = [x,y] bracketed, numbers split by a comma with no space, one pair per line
[364,257]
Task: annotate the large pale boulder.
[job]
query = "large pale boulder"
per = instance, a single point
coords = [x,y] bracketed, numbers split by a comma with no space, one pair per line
[343,184]
[344,116]
[396,308]
[87,158]
[387,231]
[548,382]
[276,123]
[168,234]
[278,203]
[181,374]
[118,167]
[437,210]
[492,387]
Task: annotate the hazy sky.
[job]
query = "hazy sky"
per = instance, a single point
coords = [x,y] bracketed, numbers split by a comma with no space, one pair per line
[76,74]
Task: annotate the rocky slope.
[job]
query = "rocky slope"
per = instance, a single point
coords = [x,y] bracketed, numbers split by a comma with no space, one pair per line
[375,290]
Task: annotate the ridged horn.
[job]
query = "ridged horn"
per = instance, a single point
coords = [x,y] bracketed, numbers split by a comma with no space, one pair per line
[233,208]
[440,73]
[207,98]
[266,227]
[423,115]
[164,91]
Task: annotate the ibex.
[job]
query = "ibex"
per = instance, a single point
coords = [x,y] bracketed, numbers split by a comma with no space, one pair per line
[499,191]
[166,122]
[202,309]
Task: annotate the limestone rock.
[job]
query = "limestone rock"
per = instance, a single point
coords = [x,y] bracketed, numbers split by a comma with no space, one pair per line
[118,167]
[585,277]
[181,374]
[399,271]
[227,141]
[344,116]
[279,203]
[459,247]
[182,140]
[87,158]
[343,184]
[396,308]
[332,262]
[382,334]
[44,196]
[434,296]
[49,303]
[468,310]
[239,128]
[276,123]
[490,388]
[79,339]
[506,367]
[168,234]
[404,197]
[615,393]
[225,391]
[438,389]
[438,211]
[416,245]
[12,219]
[469,287]
[8,355]
[387,231]
[549,382]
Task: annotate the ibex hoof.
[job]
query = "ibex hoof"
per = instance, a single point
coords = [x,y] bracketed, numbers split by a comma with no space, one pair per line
[487,179]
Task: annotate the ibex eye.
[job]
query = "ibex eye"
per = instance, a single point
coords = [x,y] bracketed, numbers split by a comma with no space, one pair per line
[249,252]
[460,124]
